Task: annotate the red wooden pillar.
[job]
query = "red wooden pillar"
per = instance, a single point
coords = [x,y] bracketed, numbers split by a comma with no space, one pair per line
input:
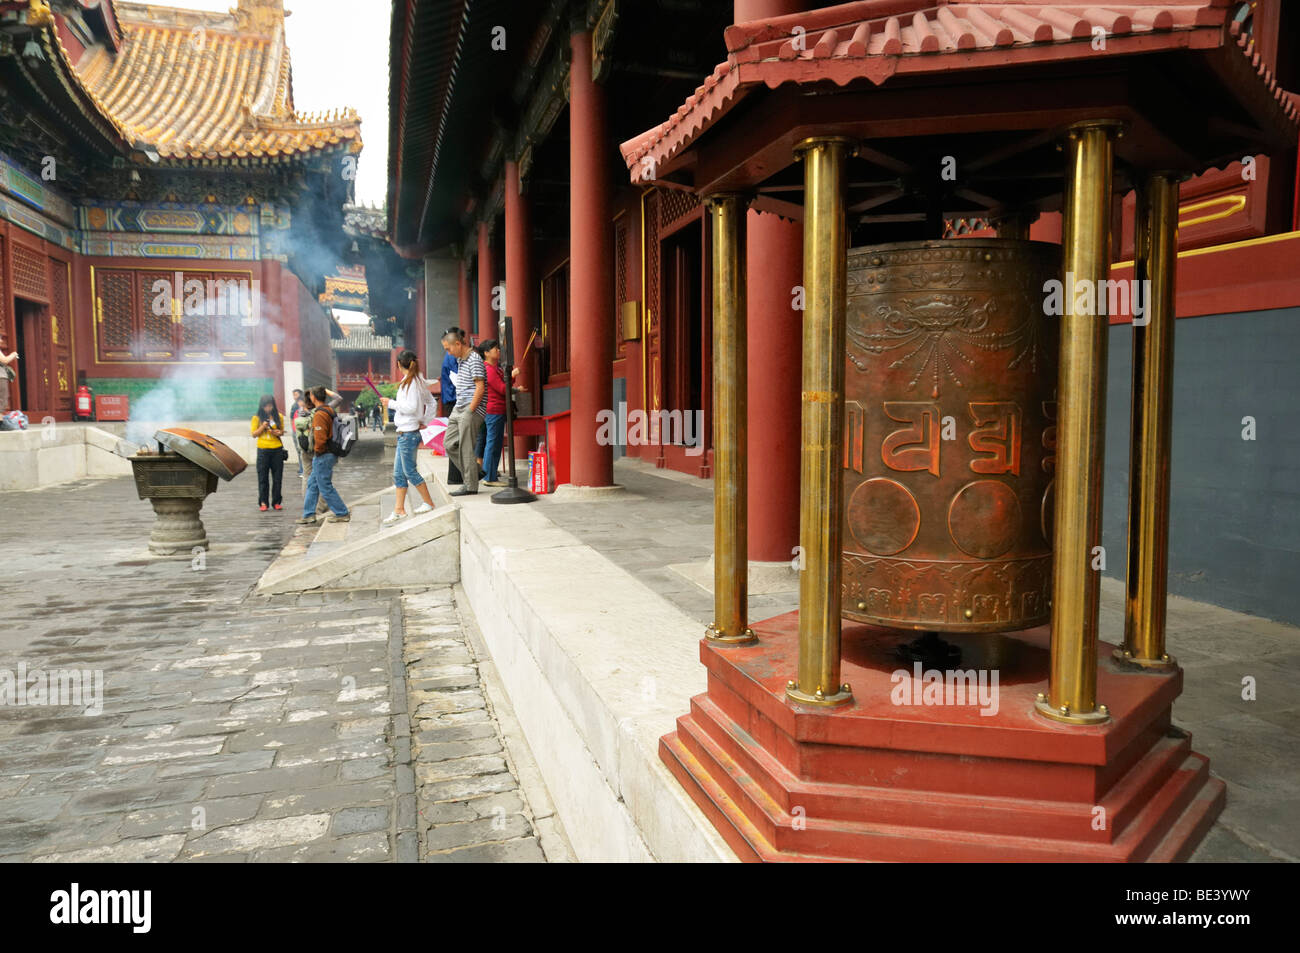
[465,311]
[519,283]
[592,272]
[487,276]
[775,268]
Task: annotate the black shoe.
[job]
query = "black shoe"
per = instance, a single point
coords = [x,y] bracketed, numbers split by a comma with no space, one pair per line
[463,493]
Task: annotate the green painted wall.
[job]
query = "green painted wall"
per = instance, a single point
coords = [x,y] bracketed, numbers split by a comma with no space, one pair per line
[195,399]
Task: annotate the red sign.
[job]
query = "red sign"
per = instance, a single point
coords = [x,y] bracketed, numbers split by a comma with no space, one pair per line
[537,476]
[111,408]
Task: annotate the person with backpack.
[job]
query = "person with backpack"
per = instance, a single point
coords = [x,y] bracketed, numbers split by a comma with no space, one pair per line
[268,427]
[306,451]
[326,452]
[413,408]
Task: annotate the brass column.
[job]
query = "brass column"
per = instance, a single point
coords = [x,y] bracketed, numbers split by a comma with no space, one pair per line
[821,484]
[730,425]
[1156,261]
[1081,424]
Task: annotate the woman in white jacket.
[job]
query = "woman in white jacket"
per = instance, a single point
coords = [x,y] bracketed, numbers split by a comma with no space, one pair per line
[413,408]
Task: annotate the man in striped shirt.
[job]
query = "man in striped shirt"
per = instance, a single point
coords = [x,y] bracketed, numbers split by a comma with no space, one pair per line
[467,417]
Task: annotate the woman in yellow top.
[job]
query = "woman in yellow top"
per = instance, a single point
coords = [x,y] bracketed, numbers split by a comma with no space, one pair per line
[268,427]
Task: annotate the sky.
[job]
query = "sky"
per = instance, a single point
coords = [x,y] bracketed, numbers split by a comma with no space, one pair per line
[340,58]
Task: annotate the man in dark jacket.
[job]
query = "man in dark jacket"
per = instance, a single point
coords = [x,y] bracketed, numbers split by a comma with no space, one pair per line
[448,396]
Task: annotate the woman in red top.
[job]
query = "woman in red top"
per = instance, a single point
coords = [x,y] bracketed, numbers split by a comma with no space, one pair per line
[494,431]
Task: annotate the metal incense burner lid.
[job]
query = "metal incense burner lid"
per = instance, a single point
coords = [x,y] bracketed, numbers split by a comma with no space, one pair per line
[203,451]
[950,409]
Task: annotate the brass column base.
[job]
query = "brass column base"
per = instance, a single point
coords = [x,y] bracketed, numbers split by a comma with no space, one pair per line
[1063,714]
[1164,663]
[842,697]
[717,637]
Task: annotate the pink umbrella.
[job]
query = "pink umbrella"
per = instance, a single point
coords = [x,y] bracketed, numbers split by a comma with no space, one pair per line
[431,436]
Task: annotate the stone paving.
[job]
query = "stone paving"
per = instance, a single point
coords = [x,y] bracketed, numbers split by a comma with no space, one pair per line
[235,728]
[666,518]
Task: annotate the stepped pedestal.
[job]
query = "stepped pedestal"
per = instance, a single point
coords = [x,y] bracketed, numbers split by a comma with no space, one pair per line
[896,777]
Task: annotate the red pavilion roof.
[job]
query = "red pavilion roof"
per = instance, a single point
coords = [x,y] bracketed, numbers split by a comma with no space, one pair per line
[876,40]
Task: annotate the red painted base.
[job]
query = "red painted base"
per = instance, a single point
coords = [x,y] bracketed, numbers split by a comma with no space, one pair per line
[895,778]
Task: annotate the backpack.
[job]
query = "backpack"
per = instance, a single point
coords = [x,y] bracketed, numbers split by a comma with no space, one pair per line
[343,436]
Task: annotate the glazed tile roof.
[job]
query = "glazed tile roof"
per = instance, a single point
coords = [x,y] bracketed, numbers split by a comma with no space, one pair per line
[198,86]
[362,338]
[877,39]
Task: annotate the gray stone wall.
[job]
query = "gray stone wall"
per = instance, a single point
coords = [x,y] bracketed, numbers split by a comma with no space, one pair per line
[1235,503]
[441,307]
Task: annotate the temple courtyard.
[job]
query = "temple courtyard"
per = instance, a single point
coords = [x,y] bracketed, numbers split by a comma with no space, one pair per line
[373,724]
[350,726]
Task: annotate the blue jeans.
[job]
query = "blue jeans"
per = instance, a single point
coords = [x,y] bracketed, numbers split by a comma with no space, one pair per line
[404,469]
[321,485]
[495,430]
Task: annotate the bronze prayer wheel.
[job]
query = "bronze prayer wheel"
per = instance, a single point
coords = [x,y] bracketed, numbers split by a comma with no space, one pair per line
[950,402]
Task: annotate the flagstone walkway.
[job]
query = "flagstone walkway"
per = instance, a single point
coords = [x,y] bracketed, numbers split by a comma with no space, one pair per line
[236,728]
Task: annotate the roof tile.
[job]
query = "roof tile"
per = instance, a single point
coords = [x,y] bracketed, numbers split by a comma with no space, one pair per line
[197,85]
[872,31]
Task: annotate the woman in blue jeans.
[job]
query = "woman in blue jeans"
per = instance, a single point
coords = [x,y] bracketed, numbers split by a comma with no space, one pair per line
[412,409]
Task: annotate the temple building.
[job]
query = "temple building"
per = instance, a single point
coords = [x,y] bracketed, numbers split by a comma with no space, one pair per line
[165,212]
[539,178]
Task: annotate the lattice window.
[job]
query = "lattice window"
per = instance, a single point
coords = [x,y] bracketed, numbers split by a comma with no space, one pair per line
[555,304]
[60,306]
[115,319]
[156,319]
[29,273]
[195,324]
[620,282]
[651,239]
[233,334]
[675,205]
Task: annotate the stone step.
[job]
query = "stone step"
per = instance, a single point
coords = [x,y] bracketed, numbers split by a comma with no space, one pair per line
[362,553]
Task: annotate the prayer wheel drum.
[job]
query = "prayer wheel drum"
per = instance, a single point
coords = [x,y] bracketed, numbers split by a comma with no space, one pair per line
[950,406]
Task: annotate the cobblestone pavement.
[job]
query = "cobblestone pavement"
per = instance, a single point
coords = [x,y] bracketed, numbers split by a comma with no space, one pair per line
[235,728]
[470,805]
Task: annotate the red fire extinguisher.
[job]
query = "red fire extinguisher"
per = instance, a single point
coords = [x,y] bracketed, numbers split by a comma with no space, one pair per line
[85,403]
